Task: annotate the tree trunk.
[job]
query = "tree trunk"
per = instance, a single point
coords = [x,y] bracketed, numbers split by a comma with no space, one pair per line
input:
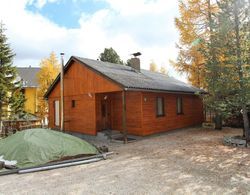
[246,123]
[218,121]
[1,124]
[240,73]
[214,64]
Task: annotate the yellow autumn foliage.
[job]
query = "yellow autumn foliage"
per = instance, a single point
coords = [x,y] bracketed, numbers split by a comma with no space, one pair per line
[49,70]
[191,25]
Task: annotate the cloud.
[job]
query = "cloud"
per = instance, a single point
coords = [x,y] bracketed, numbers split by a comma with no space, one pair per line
[41,3]
[127,26]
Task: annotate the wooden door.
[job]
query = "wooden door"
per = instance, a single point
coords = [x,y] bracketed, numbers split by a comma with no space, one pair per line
[106,114]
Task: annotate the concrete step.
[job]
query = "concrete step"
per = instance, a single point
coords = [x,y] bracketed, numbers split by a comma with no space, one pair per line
[109,134]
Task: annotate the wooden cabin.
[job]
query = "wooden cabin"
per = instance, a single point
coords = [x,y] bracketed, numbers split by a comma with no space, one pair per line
[100,95]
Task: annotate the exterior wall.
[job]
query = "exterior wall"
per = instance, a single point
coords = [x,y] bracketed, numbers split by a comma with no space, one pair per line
[31,100]
[133,112]
[88,88]
[141,112]
[192,112]
[81,85]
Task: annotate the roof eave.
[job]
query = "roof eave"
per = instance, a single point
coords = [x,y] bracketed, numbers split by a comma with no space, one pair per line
[160,91]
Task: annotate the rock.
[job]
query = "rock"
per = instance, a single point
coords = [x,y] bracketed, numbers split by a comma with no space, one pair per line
[103,149]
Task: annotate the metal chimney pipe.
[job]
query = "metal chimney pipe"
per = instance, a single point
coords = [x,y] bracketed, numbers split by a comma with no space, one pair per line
[62,91]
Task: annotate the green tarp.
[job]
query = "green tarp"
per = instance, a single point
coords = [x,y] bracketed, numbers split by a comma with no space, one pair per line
[34,147]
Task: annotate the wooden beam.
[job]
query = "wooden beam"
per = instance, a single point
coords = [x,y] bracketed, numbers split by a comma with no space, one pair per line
[124,123]
[62,92]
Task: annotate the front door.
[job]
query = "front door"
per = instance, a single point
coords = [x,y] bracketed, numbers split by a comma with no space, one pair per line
[106,114]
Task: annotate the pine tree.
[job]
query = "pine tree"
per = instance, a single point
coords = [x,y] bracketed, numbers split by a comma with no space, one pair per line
[110,55]
[227,60]
[235,14]
[9,88]
[16,103]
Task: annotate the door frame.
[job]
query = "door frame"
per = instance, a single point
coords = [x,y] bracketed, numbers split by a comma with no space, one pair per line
[105,114]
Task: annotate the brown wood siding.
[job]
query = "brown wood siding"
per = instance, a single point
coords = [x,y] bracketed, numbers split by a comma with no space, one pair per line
[192,112]
[88,89]
[80,84]
[133,110]
[116,111]
[79,118]
[80,80]
[133,107]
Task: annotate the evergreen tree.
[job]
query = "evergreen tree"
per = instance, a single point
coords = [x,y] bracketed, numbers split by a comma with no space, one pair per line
[9,88]
[227,60]
[234,15]
[16,103]
[110,55]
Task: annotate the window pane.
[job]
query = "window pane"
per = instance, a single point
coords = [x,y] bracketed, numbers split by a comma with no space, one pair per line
[160,106]
[73,103]
[57,113]
[179,105]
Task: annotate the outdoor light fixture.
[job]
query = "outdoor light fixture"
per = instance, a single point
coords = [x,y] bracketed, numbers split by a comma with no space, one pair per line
[105,97]
[145,99]
[90,95]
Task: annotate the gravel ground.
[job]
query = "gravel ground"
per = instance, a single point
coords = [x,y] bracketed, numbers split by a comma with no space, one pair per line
[184,161]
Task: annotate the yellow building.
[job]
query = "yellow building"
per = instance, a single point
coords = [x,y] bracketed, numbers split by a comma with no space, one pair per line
[28,76]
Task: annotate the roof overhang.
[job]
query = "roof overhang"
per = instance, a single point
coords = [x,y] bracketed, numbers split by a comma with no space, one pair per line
[127,88]
[164,91]
[66,67]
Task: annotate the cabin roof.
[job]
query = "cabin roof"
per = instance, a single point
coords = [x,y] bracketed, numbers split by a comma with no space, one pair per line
[28,76]
[131,79]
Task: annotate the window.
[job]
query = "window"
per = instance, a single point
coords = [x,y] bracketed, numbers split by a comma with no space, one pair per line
[179,105]
[73,103]
[160,106]
[57,112]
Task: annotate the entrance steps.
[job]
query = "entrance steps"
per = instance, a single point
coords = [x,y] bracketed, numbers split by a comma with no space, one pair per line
[106,136]
[109,134]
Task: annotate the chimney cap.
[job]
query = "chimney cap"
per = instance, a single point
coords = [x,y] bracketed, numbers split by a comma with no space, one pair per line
[136,54]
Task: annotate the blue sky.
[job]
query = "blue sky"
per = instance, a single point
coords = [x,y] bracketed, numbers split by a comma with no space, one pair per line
[67,13]
[85,27]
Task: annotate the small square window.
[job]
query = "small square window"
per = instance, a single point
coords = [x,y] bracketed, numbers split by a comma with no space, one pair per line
[179,105]
[73,103]
[160,106]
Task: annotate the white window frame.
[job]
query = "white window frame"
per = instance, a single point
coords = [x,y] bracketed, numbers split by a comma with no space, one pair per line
[57,112]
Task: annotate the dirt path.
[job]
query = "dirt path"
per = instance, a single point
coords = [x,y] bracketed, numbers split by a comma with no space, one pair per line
[181,162]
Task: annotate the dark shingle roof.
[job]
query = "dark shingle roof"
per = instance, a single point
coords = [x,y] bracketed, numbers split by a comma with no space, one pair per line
[130,78]
[28,75]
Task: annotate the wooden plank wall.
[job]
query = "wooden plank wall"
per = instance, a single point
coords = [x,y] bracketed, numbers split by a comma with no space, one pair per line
[133,106]
[84,86]
[192,109]
[134,112]
[141,112]
[80,84]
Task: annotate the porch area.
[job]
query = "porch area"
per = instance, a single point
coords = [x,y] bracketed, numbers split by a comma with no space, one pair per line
[111,115]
